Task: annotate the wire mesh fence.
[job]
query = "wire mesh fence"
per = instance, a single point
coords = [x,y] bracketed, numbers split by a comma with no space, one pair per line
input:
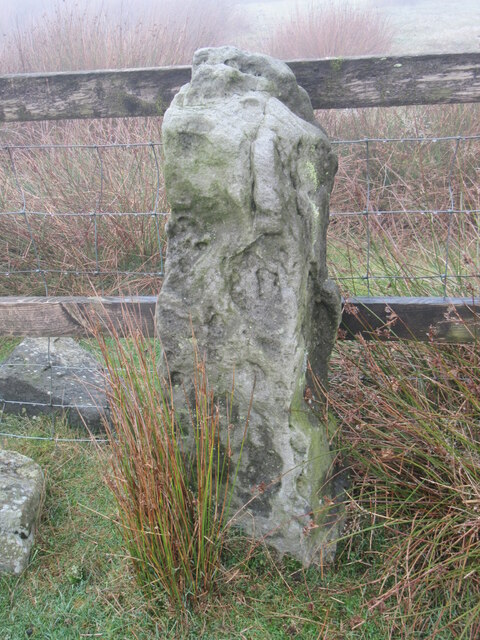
[405,216]
[79,218]
[85,219]
[99,225]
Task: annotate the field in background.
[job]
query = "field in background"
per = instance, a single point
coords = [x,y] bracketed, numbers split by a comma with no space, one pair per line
[381,395]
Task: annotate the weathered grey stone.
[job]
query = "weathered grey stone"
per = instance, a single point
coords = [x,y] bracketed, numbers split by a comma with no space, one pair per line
[21,492]
[41,377]
[248,175]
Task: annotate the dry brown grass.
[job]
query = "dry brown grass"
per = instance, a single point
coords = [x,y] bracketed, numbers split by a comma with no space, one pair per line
[86,180]
[75,38]
[338,29]
[409,415]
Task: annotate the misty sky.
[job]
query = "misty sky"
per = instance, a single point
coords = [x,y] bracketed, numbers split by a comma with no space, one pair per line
[12,10]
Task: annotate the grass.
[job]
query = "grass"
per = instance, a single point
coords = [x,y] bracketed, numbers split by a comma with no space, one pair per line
[405,566]
[318,30]
[173,502]
[80,581]
[409,417]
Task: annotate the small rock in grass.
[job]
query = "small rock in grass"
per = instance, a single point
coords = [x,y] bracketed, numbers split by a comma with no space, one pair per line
[21,492]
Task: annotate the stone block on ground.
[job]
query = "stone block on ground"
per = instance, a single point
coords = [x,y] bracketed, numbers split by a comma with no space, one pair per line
[248,175]
[21,493]
[54,375]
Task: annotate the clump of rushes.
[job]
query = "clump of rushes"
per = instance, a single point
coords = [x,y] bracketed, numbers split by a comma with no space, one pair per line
[173,503]
[410,415]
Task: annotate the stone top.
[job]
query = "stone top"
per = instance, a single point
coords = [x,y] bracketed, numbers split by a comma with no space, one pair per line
[225,72]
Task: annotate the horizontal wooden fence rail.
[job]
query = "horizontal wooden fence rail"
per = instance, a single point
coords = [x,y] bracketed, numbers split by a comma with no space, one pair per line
[73,316]
[332,83]
[454,320]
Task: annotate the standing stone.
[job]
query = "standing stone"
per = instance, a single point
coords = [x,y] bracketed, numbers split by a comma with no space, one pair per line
[21,493]
[248,174]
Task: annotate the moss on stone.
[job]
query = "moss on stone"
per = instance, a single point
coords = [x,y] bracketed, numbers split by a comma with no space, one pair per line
[336,64]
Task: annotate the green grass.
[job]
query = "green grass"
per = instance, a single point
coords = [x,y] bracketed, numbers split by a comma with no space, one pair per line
[79,581]
[7,345]
[76,579]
